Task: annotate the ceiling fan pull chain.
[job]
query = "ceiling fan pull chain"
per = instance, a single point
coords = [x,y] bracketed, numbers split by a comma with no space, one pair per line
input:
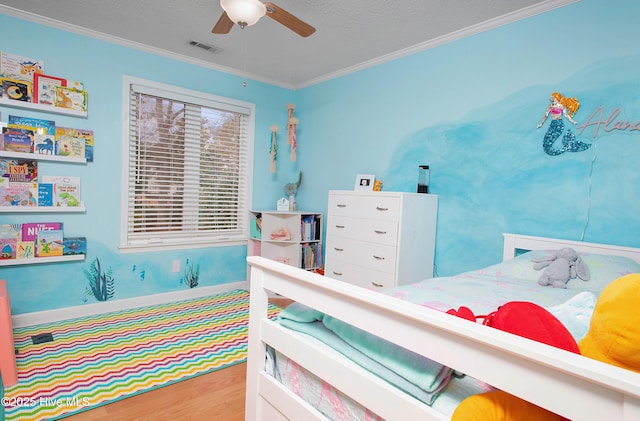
[244,58]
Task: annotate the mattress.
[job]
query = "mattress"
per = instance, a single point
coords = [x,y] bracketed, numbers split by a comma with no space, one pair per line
[483,291]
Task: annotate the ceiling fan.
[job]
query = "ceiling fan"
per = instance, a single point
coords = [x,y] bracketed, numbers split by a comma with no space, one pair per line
[248,12]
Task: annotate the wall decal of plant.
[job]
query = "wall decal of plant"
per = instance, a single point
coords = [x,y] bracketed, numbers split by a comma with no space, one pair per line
[101,285]
[191,275]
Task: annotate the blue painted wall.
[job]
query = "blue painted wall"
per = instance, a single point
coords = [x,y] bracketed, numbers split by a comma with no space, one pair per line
[469,109]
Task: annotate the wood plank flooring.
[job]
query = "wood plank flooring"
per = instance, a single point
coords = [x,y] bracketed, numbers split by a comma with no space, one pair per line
[218,395]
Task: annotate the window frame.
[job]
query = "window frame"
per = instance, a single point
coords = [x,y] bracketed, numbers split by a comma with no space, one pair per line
[204,99]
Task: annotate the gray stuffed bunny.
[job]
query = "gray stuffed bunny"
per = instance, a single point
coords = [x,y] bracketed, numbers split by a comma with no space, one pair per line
[563,265]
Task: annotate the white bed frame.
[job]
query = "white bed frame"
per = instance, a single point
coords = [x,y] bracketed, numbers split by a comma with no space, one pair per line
[571,385]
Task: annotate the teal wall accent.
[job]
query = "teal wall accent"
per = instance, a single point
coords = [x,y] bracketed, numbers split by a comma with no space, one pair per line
[469,109]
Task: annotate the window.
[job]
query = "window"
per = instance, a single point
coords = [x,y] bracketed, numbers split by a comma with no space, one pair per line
[187,168]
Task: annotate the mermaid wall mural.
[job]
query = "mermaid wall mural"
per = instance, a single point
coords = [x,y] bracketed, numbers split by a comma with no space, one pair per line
[561,107]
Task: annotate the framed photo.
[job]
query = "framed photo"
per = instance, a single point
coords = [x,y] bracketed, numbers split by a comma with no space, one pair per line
[44,91]
[364,182]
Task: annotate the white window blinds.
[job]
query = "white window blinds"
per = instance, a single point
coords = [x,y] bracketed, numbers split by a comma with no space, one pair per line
[187,168]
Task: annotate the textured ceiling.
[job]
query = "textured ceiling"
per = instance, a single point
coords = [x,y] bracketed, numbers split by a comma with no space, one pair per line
[349,34]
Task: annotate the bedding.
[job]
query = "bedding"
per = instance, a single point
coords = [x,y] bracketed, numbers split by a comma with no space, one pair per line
[483,291]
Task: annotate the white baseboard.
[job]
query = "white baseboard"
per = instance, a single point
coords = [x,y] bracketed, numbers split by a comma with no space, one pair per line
[48,316]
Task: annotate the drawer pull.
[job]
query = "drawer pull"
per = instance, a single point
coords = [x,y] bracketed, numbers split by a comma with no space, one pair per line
[379,232]
[338,249]
[337,273]
[378,257]
[340,226]
[375,284]
[341,205]
[382,209]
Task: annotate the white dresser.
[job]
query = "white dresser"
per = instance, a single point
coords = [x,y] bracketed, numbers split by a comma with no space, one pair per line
[380,239]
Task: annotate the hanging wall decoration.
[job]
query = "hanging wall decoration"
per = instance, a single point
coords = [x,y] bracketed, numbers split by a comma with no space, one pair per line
[561,107]
[292,123]
[273,148]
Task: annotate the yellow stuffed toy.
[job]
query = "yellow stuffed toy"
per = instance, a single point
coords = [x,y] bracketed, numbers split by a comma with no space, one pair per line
[614,332]
[613,338]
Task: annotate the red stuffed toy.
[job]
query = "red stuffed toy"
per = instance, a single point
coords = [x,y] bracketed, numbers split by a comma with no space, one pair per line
[524,319]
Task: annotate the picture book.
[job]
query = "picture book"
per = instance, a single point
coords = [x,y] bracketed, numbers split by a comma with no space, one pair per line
[45,194]
[17,140]
[44,144]
[19,170]
[67,97]
[75,85]
[74,245]
[11,231]
[71,147]
[8,248]
[30,230]
[18,90]
[25,250]
[44,88]
[49,243]
[17,67]
[87,135]
[66,189]
[36,125]
[19,194]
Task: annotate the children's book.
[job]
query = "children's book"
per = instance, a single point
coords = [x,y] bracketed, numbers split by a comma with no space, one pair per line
[18,67]
[45,194]
[19,194]
[17,140]
[44,144]
[44,88]
[75,85]
[11,231]
[30,230]
[74,245]
[66,189]
[19,170]
[36,125]
[87,135]
[68,97]
[8,248]
[18,90]
[49,243]
[25,250]
[71,147]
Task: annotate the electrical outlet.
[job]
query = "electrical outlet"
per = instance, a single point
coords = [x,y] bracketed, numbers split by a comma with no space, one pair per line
[175,267]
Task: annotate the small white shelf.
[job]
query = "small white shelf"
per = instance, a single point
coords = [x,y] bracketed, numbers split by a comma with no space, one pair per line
[42,157]
[41,107]
[43,209]
[36,260]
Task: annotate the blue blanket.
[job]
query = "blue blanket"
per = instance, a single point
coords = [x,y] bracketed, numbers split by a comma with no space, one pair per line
[418,376]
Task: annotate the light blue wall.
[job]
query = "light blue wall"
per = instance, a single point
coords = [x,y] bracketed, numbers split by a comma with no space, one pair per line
[100,66]
[469,109]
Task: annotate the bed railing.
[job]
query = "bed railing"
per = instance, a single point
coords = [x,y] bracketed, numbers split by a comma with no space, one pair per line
[544,375]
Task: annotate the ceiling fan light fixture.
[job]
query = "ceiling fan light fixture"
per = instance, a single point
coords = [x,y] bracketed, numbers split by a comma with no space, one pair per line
[244,12]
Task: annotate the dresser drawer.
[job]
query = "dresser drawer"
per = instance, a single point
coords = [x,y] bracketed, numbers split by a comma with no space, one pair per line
[379,231]
[379,257]
[358,275]
[366,207]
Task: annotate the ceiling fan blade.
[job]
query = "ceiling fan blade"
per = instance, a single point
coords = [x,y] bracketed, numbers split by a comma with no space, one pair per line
[224,25]
[287,19]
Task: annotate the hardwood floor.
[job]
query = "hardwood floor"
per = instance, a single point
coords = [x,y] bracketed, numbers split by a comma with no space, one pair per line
[215,396]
